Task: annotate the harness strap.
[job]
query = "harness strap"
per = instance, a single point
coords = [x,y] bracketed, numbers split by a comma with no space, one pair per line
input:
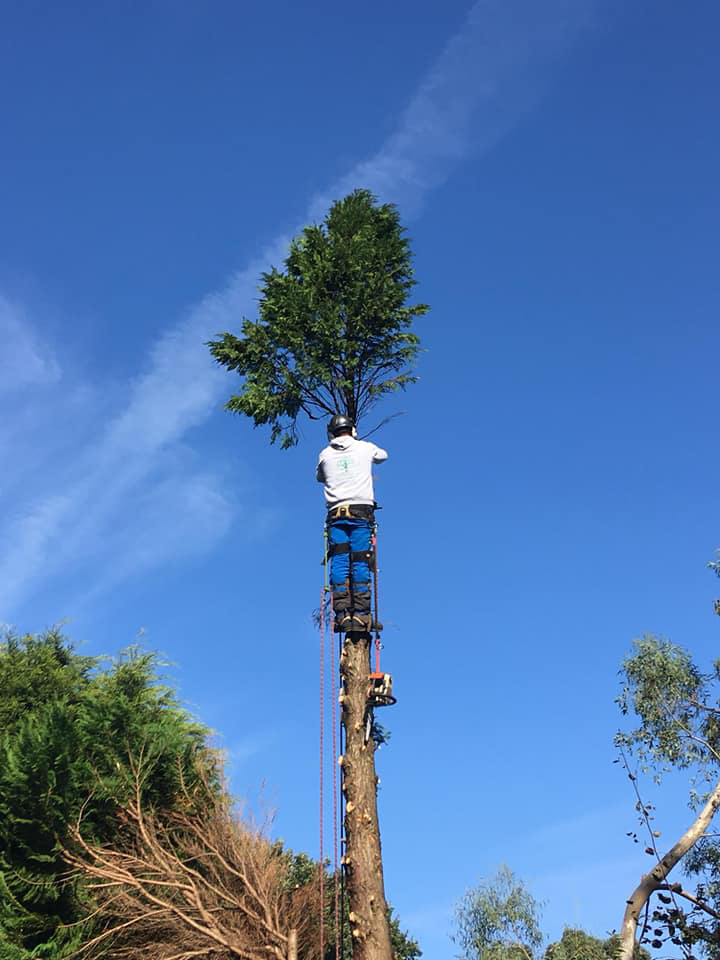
[335,549]
[351,511]
[363,556]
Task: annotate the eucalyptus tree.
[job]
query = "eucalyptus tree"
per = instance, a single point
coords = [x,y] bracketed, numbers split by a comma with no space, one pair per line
[499,919]
[677,707]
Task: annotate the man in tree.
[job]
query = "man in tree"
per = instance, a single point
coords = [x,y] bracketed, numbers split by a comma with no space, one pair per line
[333,335]
[345,467]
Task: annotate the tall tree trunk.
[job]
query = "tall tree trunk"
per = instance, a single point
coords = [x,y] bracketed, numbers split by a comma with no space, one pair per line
[366,894]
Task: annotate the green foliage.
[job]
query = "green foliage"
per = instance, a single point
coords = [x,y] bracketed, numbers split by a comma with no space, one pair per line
[333,334]
[402,945]
[677,709]
[498,920]
[69,727]
[675,704]
[577,945]
[302,870]
[715,565]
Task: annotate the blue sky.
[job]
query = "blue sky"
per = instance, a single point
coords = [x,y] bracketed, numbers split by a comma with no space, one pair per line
[550,492]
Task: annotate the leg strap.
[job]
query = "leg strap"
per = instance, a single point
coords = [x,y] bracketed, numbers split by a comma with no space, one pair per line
[356,556]
[364,556]
[335,549]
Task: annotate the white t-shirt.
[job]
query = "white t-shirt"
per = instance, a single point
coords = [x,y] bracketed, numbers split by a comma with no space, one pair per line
[345,467]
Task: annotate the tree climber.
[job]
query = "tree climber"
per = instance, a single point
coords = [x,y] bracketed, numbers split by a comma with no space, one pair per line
[345,467]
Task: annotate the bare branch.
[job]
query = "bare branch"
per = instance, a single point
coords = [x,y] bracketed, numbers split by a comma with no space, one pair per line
[655,880]
[700,904]
[186,884]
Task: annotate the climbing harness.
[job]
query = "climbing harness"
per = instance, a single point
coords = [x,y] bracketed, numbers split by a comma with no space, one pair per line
[351,511]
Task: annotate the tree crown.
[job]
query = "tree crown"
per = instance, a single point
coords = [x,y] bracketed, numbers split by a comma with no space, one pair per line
[333,333]
[499,920]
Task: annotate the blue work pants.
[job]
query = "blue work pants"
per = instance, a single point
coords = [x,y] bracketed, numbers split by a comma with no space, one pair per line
[346,576]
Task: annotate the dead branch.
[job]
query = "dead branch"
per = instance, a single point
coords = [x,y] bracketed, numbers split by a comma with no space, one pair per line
[195,882]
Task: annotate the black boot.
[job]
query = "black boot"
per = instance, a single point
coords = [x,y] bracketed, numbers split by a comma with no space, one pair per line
[360,623]
[343,622]
[342,603]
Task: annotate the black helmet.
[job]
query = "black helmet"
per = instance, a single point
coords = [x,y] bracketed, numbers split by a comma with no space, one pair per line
[339,424]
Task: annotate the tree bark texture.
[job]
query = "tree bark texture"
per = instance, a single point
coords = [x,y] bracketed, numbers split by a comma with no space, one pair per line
[363,858]
[656,879]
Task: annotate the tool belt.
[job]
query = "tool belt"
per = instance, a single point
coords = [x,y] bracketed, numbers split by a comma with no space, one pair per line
[351,511]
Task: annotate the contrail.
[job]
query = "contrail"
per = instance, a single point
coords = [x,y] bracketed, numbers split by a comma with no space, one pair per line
[488,74]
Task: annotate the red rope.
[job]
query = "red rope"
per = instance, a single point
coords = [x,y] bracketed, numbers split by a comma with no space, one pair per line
[334,695]
[322,771]
[377,615]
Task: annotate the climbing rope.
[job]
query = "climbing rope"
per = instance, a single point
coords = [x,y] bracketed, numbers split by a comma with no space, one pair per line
[343,839]
[334,695]
[325,612]
[373,542]
[323,600]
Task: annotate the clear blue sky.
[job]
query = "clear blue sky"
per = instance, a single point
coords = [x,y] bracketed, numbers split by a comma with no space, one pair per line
[551,488]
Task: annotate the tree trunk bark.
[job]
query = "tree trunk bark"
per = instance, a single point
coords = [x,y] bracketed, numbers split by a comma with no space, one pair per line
[363,858]
[656,879]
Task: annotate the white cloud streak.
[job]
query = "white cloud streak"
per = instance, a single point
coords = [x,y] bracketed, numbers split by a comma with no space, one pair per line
[24,361]
[486,76]
[489,73]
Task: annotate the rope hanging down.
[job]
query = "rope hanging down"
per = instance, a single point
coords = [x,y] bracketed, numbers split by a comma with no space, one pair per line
[334,721]
[321,875]
[325,610]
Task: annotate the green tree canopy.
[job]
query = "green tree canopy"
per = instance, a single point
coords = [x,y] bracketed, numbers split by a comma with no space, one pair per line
[302,870]
[676,711]
[499,920]
[333,333]
[575,944]
[69,726]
